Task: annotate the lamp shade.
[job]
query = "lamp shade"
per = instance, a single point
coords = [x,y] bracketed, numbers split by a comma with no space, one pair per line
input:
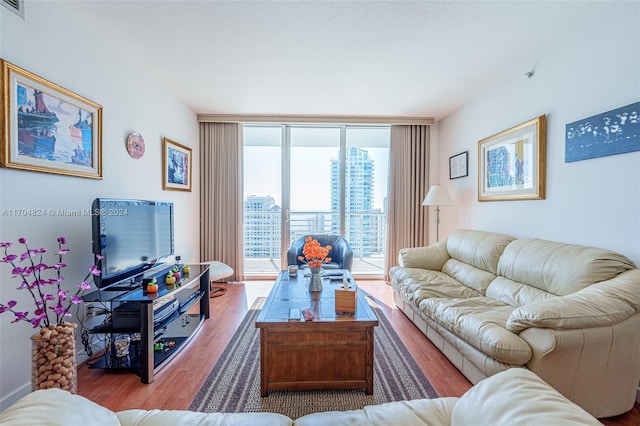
[437,196]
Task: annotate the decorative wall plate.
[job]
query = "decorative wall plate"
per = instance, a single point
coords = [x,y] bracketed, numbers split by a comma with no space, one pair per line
[135,145]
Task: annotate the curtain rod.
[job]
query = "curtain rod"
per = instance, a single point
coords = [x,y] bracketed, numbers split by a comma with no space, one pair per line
[314,119]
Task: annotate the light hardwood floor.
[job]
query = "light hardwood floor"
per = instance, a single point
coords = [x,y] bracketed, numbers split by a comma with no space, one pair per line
[176,385]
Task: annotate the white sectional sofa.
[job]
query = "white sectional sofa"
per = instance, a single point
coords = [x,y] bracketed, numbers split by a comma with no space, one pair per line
[491,302]
[514,397]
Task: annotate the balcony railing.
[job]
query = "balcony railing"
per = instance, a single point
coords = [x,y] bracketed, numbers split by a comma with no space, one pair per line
[365,231]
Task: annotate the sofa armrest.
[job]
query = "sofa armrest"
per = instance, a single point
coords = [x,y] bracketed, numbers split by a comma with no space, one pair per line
[577,362]
[189,418]
[56,407]
[431,257]
[517,397]
[603,304]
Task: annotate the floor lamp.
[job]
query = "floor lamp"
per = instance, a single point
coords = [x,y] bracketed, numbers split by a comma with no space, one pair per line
[437,196]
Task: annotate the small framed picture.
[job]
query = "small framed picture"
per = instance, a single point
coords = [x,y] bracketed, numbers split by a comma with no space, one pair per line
[459,165]
[176,166]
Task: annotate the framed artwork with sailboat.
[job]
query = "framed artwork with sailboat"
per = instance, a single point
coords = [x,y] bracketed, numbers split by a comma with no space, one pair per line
[47,128]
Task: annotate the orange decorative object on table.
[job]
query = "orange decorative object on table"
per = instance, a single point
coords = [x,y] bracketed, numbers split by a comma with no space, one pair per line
[152,287]
[314,254]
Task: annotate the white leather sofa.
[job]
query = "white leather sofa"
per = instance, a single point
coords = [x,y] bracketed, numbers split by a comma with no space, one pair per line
[514,397]
[491,302]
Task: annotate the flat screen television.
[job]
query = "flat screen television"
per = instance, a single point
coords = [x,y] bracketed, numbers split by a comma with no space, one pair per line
[132,236]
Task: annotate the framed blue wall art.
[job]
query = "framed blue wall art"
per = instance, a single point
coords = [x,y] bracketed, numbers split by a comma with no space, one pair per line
[610,133]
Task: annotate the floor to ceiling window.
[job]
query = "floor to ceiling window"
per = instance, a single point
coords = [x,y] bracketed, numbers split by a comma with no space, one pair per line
[314,179]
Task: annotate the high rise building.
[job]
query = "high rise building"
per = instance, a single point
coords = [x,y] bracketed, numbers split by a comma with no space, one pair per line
[261,227]
[361,229]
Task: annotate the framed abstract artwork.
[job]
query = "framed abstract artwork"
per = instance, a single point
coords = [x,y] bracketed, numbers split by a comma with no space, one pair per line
[512,163]
[176,166]
[459,165]
[47,128]
[610,133]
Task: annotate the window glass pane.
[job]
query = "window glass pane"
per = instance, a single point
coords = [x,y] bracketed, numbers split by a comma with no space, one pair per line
[262,199]
[313,149]
[367,167]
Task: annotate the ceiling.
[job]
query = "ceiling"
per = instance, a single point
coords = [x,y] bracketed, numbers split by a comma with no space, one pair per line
[361,58]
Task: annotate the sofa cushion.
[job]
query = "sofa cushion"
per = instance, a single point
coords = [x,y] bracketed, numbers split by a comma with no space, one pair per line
[599,305]
[558,268]
[429,257]
[481,322]
[478,248]
[417,412]
[419,284]
[192,418]
[468,275]
[515,294]
[54,407]
[517,397]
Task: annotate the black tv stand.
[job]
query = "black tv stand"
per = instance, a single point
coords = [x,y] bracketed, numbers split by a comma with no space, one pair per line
[139,309]
[124,287]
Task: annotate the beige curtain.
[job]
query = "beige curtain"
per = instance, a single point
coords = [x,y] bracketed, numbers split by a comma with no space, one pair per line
[408,185]
[221,212]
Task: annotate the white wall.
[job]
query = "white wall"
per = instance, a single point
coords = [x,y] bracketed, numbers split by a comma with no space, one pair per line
[593,202]
[53,45]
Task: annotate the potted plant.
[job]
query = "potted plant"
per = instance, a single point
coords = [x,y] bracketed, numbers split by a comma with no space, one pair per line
[53,346]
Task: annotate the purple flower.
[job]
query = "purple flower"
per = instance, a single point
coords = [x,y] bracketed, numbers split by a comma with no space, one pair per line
[58,309]
[99,256]
[34,277]
[10,258]
[8,306]
[62,294]
[37,320]
[20,316]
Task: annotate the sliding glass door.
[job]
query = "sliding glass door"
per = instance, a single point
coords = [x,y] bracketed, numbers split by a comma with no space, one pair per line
[313,149]
[365,205]
[314,179]
[262,200]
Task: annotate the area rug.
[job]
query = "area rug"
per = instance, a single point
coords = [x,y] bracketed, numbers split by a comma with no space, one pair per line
[233,386]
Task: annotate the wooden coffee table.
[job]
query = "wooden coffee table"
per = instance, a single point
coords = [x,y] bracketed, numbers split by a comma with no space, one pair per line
[334,351]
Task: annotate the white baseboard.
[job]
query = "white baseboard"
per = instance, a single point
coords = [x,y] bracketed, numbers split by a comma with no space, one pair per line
[23,390]
[14,396]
